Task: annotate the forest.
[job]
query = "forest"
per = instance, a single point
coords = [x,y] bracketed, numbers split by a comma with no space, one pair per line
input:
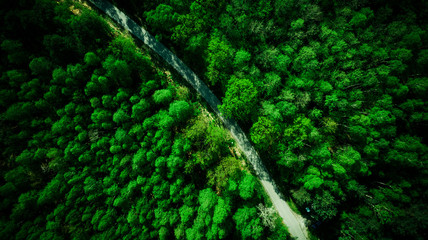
[333,95]
[100,141]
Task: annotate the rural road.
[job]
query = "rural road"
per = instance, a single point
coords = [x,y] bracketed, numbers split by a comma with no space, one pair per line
[293,221]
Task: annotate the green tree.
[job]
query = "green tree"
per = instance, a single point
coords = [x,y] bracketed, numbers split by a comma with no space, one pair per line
[219,58]
[186,214]
[240,100]
[297,134]
[15,51]
[325,205]
[272,83]
[140,110]
[118,70]
[163,17]
[221,212]
[248,223]
[120,116]
[163,96]
[241,59]
[180,111]
[223,171]
[91,59]
[52,191]
[40,66]
[263,133]
[312,179]
[247,187]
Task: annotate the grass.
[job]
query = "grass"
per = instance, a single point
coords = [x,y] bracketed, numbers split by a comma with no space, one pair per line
[293,205]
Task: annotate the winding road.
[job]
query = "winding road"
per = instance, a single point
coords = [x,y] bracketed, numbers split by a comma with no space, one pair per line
[293,221]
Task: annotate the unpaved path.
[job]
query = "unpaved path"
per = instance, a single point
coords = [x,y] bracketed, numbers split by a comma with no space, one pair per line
[293,221]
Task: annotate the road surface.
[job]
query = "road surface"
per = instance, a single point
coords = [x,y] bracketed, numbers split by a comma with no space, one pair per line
[293,221]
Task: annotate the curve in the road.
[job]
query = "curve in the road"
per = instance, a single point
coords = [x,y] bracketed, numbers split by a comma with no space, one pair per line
[293,221]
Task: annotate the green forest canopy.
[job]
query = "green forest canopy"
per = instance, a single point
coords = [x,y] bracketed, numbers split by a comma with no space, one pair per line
[332,93]
[99,143]
[96,143]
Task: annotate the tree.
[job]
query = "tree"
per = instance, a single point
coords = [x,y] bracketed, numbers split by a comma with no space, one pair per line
[16,77]
[418,86]
[40,66]
[220,175]
[89,27]
[306,59]
[163,96]
[91,59]
[267,214]
[25,207]
[120,116]
[140,110]
[312,179]
[15,51]
[272,83]
[201,16]
[163,17]
[118,70]
[407,151]
[221,212]
[101,117]
[62,49]
[285,108]
[186,214]
[215,142]
[197,129]
[174,164]
[325,205]
[207,201]
[263,133]
[180,111]
[301,196]
[282,63]
[220,55]
[297,24]
[92,189]
[240,100]
[247,187]
[52,191]
[297,134]
[165,121]
[350,159]
[241,59]
[248,223]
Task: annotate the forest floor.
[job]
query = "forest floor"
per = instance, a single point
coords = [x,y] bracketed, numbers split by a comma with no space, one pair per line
[294,222]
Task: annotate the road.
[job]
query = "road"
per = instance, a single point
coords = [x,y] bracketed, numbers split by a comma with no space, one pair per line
[293,221]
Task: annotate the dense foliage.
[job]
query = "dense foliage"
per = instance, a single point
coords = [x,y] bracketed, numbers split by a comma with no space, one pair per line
[98,143]
[332,93]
